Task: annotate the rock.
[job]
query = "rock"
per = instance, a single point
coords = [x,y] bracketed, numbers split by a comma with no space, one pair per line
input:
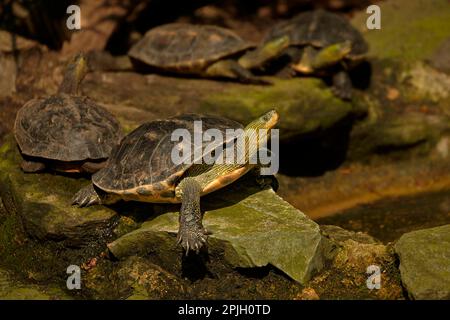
[339,235]
[424,82]
[407,100]
[8,78]
[43,203]
[250,228]
[411,29]
[97,25]
[346,276]
[11,289]
[13,48]
[10,42]
[149,281]
[307,294]
[440,59]
[425,262]
[305,104]
[134,279]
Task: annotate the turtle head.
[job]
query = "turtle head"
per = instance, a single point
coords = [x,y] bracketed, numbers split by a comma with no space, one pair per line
[266,121]
[313,59]
[261,55]
[74,74]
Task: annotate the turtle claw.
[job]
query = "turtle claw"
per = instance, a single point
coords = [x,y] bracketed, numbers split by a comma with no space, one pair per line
[193,240]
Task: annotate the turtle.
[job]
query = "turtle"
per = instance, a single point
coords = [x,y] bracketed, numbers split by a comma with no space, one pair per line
[142,168]
[320,43]
[202,50]
[66,132]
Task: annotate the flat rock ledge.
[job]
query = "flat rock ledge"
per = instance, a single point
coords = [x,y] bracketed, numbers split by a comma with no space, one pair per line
[249,226]
[425,262]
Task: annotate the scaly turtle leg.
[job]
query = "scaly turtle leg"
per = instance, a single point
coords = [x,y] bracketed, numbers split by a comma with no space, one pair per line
[233,70]
[89,196]
[342,85]
[32,166]
[191,233]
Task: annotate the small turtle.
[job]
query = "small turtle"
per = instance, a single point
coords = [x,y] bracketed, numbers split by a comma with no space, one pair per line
[66,132]
[141,168]
[202,50]
[320,43]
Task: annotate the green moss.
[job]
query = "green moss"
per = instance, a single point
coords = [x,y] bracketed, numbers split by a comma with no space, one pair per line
[304,104]
[410,30]
[12,289]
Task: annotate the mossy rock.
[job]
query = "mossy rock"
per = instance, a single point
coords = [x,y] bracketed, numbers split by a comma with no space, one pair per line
[425,262]
[43,203]
[250,227]
[11,289]
[410,29]
[305,104]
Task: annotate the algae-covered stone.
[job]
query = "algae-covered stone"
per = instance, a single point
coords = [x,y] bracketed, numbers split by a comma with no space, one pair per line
[43,203]
[410,29]
[425,262]
[11,289]
[250,226]
[440,59]
[304,104]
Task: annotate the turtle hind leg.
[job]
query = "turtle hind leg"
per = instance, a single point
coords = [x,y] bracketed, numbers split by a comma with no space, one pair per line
[342,85]
[86,197]
[231,69]
[191,234]
[32,166]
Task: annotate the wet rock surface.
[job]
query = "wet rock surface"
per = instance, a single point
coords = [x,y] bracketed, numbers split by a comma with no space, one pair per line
[425,262]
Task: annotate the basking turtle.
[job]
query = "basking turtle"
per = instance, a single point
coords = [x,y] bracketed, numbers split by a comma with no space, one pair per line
[321,43]
[142,168]
[66,132]
[202,50]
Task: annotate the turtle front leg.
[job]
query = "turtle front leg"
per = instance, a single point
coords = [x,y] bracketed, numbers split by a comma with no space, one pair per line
[32,166]
[191,233]
[342,85]
[231,69]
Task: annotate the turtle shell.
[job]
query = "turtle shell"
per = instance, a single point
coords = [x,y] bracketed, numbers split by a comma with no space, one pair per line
[320,29]
[142,167]
[66,128]
[188,48]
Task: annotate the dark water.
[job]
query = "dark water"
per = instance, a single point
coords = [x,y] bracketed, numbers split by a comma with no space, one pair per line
[389,218]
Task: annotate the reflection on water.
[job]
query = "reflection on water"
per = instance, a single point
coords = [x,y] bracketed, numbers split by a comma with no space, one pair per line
[388,219]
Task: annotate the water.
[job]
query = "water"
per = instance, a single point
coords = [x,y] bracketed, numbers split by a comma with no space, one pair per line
[389,218]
